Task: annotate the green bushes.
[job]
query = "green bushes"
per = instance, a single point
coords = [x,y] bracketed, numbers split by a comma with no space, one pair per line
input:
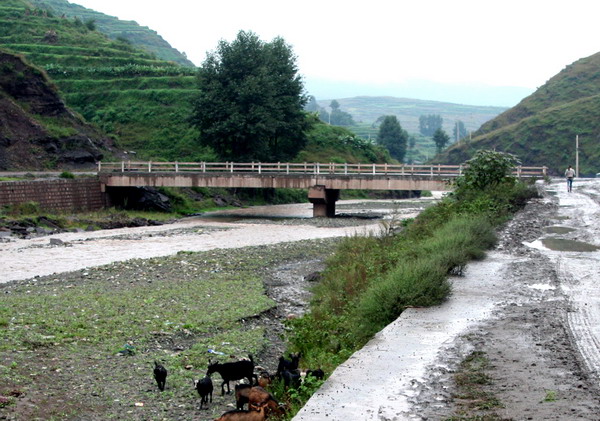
[371,280]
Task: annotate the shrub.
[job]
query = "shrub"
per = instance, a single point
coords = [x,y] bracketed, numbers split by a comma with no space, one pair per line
[67,174]
[486,169]
[25,208]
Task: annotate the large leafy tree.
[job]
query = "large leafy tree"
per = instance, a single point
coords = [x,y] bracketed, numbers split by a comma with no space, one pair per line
[337,117]
[250,101]
[429,123]
[393,137]
[441,139]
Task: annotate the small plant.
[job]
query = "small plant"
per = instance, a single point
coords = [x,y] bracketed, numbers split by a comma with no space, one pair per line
[550,396]
[67,174]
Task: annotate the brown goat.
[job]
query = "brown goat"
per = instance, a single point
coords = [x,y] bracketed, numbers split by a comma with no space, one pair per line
[238,415]
[259,397]
[242,391]
[264,379]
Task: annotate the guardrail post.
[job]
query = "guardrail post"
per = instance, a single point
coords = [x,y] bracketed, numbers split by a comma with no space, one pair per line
[122,166]
[318,169]
[149,166]
[176,166]
[231,167]
[544,168]
[374,171]
[203,166]
[345,168]
[519,171]
[260,168]
[287,168]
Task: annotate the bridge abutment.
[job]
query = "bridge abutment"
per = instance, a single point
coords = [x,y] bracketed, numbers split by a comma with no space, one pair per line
[323,201]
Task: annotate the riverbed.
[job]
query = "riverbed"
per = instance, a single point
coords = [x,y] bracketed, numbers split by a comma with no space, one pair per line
[235,228]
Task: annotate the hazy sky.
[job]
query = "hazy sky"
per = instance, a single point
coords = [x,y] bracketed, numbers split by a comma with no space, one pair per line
[502,43]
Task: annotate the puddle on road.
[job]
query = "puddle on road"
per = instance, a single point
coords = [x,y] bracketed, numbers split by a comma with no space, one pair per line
[558,230]
[560,244]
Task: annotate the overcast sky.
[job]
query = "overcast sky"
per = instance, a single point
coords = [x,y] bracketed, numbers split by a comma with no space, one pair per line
[502,43]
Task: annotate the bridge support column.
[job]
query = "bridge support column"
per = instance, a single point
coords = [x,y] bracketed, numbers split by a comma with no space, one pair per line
[323,201]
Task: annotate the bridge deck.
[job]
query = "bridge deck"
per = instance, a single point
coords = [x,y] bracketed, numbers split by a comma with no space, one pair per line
[323,181]
[437,170]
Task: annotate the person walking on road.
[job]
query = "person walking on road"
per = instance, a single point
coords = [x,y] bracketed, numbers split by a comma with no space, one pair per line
[570,174]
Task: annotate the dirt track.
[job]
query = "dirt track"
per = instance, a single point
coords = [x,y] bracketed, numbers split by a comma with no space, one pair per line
[543,339]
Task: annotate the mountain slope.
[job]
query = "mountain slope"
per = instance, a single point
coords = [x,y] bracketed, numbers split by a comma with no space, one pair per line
[369,108]
[140,36]
[140,101]
[541,129]
[37,131]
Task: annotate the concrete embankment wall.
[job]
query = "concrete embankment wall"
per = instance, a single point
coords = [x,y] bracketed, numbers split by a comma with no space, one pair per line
[79,194]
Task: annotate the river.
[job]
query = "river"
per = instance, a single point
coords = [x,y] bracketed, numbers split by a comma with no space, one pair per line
[261,225]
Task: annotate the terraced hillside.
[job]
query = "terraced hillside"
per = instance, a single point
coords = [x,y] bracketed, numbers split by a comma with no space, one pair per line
[542,128]
[139,100]
[140,36]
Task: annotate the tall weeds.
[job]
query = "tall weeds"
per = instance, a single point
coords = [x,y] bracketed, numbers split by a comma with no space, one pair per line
[371,280]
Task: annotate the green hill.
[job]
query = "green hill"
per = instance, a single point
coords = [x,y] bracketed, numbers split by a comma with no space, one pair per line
[140,36]
[140,101]
[541,129]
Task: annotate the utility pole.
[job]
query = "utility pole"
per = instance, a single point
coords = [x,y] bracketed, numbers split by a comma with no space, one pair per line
[456,130]
[577,155]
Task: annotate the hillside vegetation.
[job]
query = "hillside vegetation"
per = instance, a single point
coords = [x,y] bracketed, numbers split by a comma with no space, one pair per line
[140,36]
[142,102]
[541,129]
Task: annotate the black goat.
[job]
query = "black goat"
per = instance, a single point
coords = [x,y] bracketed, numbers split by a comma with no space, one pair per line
[233,371]
[290,365]
[160,375]
[291,378]
[205,389]
[317,374]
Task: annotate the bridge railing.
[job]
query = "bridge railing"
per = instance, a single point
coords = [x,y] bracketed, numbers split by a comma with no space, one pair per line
[331,168]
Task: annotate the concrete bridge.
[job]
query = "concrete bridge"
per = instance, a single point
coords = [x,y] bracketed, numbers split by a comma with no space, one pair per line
[323,181]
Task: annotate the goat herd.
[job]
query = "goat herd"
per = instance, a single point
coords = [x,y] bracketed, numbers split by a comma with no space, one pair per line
[261,403]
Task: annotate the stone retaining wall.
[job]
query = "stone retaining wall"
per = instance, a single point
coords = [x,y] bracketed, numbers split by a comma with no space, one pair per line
[79,194]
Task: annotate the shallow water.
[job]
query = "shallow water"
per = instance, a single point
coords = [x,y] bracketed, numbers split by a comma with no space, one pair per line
[558,230]
[561,244]
[261,225]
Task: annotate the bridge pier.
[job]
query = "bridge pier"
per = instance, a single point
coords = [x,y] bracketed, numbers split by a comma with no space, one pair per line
[323,201]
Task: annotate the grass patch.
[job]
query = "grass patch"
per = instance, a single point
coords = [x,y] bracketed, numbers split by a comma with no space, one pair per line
[60,332]
[474,399]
